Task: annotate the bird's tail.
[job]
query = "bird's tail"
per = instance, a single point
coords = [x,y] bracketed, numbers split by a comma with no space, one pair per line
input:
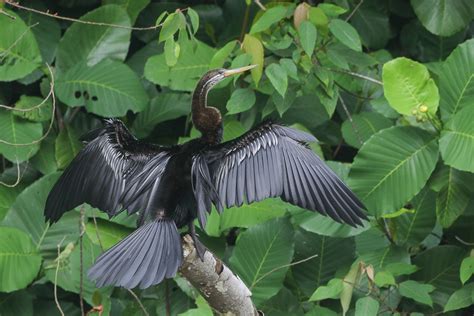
[147,256]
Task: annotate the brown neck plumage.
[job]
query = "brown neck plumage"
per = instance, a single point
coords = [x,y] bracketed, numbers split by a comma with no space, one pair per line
[206,119]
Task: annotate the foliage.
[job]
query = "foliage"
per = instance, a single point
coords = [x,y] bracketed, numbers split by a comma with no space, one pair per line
[386,86]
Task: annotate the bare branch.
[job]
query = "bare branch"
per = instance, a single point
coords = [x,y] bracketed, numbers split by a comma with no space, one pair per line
[354,11]
[56,279]
[355,74]
[219,286]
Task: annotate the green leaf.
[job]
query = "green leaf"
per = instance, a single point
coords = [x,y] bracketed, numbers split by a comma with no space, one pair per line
[278,77]
[408,87]
[412,228]
[268,18]
[109,88]
[442,17]
[417,291]
[166,106]
[27,214]
[7,197]
[222,54]
[17,303]
[467,269]
[194,17]
[454,195]
[171,25]
[172,51]
[272,244]
[45,160]
[439,266]
[192,64]
[384,278]
[367,306]
[457,140]
[19,260]
[248,215]
[91,43]
[133,7]
[252,46]
[346,34]
[332,254]
[366,124]
[41,109]
[332,290]
[308,33]
[19,132]
[106,234]
[241,100]
[332,9]
[384,163]
[464,297]
[19,52]
[67,146]
[456,81]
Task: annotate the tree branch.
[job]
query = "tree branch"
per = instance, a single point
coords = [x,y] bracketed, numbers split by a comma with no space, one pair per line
[220,287]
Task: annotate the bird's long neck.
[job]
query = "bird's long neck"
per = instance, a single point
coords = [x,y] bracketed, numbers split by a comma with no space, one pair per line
[206,119]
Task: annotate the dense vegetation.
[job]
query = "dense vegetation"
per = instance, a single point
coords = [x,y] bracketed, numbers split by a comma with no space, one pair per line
[399,130]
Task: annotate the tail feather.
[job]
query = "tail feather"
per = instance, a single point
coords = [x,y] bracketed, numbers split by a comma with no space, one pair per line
[144,258]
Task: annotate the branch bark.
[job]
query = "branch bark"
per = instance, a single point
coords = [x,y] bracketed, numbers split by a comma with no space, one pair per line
[220,287]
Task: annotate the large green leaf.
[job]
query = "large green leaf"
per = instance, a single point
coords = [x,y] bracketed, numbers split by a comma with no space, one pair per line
[367,306]
[457,140]
[307,32]
[109,88]
[278,77]
[392,167]
[27,214]
[16,303]
[271,245]
[439,266]
[455,191]
[456,81]
[166,106]
[7,197]
[254,48]
[443,17]
[19,52]
[408,87]
[323,225]
[372,23]
[241,100]
[412,228]
[332,254]
[41,109]
[19,260]
[191,65]
[362,127]
[20,132]
[92,43]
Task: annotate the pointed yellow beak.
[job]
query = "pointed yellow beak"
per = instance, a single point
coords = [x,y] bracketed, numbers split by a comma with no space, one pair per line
[235,71]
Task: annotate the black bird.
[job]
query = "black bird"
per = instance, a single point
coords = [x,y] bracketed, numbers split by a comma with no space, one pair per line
[172,186]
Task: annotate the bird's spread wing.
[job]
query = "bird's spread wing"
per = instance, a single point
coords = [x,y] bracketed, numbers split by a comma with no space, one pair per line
[102,171]
[274,161]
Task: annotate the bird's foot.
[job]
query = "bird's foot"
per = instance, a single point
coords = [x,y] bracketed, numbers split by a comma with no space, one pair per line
[200,248]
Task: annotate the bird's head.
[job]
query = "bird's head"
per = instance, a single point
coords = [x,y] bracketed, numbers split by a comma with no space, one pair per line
[214,76]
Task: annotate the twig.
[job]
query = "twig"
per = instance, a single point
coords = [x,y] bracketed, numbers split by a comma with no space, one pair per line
[465,243]
[355,74]
[135,296]
[59,17]
[7,14]
[354,11]
[56,280]
[244,24]
[281,267]
[260,5]
[50,127]
[81,267]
